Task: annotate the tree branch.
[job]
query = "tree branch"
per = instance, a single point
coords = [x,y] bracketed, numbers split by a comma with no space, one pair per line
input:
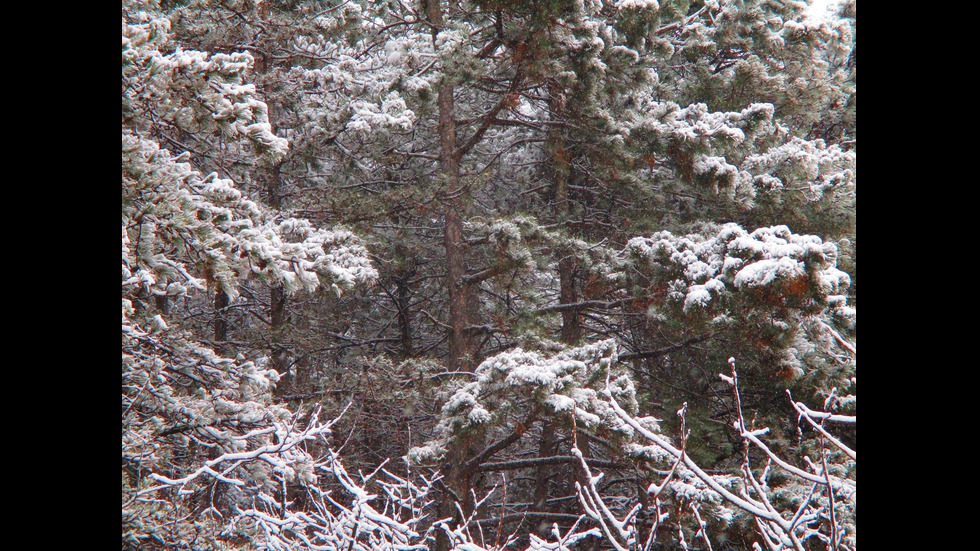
[553,460]
[580,305]
[491,115]
[665,350]
[557,517]
[501,444]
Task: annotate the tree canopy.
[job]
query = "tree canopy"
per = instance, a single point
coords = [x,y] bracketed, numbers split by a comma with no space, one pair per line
[488,274]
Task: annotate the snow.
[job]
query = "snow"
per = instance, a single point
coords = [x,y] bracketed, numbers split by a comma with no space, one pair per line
[698,295]
[192,232]
[821,11]
[764,272]
[637,5]
[508,383]
[158,324]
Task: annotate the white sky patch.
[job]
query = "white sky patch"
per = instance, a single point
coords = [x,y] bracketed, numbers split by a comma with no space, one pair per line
[821,10]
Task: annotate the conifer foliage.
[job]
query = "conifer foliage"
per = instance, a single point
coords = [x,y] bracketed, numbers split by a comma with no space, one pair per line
[488,274]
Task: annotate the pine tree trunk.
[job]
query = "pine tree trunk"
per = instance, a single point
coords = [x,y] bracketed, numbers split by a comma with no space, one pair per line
[546,448]
[163,304]
[220,323]
[454,203]
[457,478]
[403,296]
[571,326]
[277,295]
[571,330]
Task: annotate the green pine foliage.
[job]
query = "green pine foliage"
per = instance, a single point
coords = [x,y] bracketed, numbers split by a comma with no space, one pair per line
[657,204]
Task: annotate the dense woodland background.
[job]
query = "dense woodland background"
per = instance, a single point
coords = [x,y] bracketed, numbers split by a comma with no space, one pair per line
[484,275]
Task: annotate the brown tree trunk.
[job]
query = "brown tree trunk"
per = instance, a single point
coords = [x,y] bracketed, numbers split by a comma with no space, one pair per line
[571,331]
[457,477]
[454,203]
[403,297]
[277,295]
[220,322]
[163,304]
[545,449]
[571,320]
[571,326]
[460,341]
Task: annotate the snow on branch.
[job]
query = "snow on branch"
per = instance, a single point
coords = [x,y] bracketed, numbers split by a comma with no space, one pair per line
[780,528]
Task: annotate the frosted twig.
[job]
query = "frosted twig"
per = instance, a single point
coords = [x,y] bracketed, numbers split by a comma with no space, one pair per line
[805,414]
[702,526]
[840,340]
[834,536]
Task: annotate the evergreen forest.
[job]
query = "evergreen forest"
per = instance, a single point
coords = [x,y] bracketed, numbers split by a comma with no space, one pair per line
[489,275]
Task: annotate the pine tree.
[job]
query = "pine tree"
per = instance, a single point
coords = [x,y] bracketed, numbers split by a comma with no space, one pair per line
[561,208]
[185,233]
